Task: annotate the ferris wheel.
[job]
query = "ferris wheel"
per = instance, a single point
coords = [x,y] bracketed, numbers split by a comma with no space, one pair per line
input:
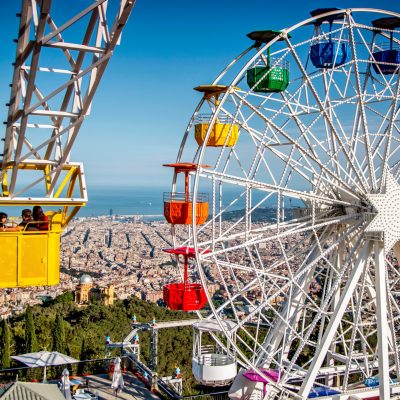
[297,145]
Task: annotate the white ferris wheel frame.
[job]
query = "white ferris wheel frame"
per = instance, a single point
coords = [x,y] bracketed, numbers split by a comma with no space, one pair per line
[373,246]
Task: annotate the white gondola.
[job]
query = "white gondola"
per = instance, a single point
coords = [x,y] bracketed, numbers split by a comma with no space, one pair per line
[213,365]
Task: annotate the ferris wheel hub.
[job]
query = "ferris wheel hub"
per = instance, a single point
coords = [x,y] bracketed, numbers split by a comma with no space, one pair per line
[387,219]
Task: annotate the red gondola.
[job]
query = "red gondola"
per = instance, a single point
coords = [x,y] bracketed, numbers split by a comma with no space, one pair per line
[184,296]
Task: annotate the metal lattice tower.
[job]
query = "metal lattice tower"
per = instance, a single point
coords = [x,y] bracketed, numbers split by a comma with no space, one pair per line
[62,53]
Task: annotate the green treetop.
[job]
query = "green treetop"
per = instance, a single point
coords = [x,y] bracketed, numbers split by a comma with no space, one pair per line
[5,343]
[30,333]
[59,342]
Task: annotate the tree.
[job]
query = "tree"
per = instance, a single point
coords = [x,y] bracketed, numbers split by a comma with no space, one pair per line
[30,332]
[59,343]
[87,353]
[82,356]
[64,298]
[5,343]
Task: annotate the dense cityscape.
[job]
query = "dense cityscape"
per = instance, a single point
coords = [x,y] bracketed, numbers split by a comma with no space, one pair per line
[125,252]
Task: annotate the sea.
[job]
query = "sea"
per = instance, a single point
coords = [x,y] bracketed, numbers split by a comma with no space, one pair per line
[123,201]
[149,201]
[143,201]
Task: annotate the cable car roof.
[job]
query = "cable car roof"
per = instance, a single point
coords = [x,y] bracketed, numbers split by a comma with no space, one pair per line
[213,326]
[186,166]
[186,251]
[213,89]
[387,23]
[264,36]
[328,18]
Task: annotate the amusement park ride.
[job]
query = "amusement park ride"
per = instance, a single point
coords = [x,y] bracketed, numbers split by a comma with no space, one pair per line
[310,115]
[57,70]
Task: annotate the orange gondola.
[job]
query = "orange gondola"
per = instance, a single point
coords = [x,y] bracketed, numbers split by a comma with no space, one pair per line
[178,206]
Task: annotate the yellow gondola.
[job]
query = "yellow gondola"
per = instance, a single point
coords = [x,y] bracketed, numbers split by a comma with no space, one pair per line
[32,257]
[223,132]
[50,98]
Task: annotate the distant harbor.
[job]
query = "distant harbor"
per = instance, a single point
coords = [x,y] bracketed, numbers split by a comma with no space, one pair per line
[147,203]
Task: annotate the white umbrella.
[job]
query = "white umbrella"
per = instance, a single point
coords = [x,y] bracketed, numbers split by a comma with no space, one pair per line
[65,384]
[43,359]
[117,379]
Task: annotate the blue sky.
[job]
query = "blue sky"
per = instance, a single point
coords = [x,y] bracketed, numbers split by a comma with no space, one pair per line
[145,99]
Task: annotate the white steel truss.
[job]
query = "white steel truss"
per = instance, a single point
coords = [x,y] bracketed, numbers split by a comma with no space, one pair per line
[62,53]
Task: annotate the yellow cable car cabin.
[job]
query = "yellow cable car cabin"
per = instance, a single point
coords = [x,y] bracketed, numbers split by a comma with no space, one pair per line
[224,132]
[31,257]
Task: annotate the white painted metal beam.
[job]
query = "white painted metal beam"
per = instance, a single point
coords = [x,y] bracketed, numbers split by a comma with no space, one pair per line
[381,317]
[330,331]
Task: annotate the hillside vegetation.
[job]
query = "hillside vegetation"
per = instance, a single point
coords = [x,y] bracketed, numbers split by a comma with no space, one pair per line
[80,332]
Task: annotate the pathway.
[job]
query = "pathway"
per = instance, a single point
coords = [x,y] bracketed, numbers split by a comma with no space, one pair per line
[134,389]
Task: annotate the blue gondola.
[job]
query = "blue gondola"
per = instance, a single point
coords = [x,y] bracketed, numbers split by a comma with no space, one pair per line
[374,381]
[371,382]
[332,52]
[319,391]
[387,61]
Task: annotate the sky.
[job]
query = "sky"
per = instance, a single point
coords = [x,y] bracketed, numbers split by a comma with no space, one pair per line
[146,98]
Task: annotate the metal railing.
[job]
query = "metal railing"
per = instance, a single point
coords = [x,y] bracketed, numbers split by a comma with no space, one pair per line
[215,360]
[184,197]
[208,396]
[272,63]
[53,372]
[206,119]
[166,390]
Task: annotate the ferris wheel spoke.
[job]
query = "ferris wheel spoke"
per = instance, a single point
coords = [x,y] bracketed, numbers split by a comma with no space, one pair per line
[302,150]
[389,130]
[231,64]
[357,330]
[272,282]
[362,115]
[330,331]
[303,168]
[378,142]
[294,163]
[301,195]
[393,321]
[333,148]
[267,234]
[351,144]
[314,258]
[360,178]
[303,130]
[326,303]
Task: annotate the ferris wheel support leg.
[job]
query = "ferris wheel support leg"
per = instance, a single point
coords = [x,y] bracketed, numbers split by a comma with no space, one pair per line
[381,316]
[333,379]
[331,329]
